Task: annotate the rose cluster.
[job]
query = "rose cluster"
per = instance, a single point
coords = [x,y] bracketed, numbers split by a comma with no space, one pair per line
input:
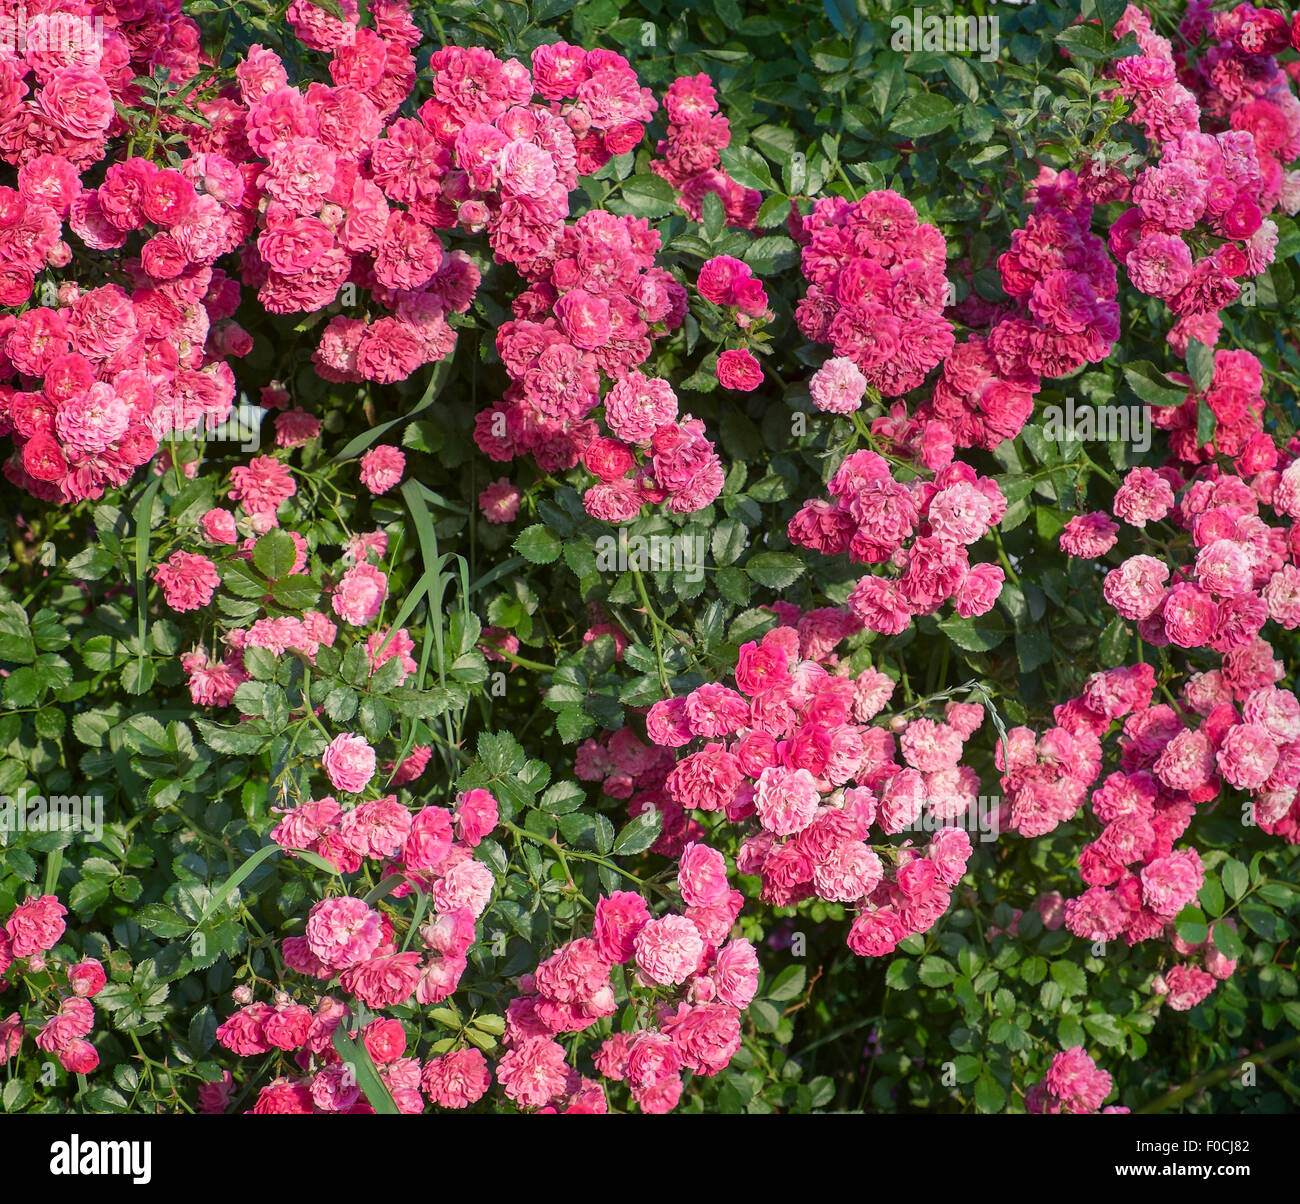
[876,288]
[348,942]
[792,747]
[593,312]
[333,201]
[32,930]
[623,765]
[318,1080]
[1206,190]
[1239,84]
[688,157]
[1235,396]
[96,375]
[1063,315]
[1185,984]
[356,588]
[1073,1084]
[921,529]
[741,300]
[1220,573]
[689,984]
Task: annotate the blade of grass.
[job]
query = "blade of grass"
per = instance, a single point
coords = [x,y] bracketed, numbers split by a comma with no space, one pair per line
[428,539]
[366,439]
[386,886]
[355,1054]
[228,887]
[504,569]
[143,513]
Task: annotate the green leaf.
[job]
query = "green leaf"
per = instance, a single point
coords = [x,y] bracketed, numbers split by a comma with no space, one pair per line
[562,798]
[1190,925]
[91,564]
[772,254]
[22,687]
[922,115]
[16,1095]
[1034,970]
[1112,647]
[640,834]
[730,537]
[1085,42]
[537,545]
[1235,878]
[989,1093]
[1206,423]
[16,643]
[1153,386]
[776,570]
[1200,363]
[748,168]
[1211,896]
[354,1053]
[1033,649]
[547,10]
[888,84]
[274,554]
[1227,942]
[648,195]
[843,14]
[978,634]
[788,984]
[901,974]
[935,972]
[962,76]
[1104,1028]
[1072,979]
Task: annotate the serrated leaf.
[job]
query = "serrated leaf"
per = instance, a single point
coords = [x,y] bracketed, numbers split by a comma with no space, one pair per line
[537,545]
[639,834]
[922,115]
[775,570]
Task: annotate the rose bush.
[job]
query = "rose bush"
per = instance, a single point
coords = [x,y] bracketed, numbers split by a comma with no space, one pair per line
[768,584]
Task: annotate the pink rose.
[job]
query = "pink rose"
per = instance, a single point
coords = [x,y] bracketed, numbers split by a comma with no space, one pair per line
[349,763]
[360,594]
[668,950]
[739,370]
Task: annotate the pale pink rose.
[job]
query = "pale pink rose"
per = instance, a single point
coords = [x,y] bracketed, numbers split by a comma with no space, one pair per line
[349,762]
[668,950]
[359,595]
[499,502]
[456,1079]
[342,932]
[382,468]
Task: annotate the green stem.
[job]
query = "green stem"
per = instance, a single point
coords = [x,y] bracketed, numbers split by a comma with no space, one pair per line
[655,621]
[1004,558]
[1212,1078]
[561,853]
